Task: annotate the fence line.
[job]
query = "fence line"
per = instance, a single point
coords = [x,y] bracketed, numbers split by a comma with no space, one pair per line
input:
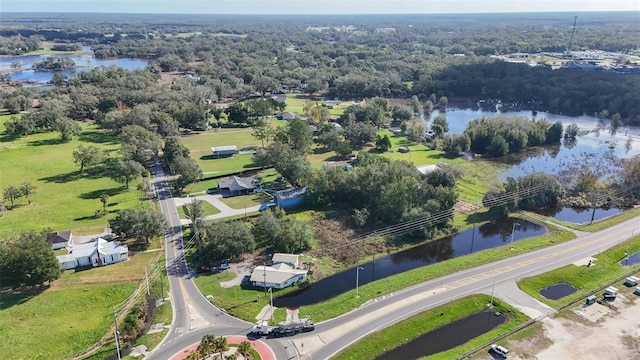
[128,303]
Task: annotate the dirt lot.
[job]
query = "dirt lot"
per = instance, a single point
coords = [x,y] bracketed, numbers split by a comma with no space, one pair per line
[586,332]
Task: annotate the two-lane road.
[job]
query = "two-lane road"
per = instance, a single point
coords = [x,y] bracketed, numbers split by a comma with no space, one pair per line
[194,316]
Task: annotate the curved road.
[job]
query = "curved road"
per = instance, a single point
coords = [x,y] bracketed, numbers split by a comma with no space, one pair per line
[195,316]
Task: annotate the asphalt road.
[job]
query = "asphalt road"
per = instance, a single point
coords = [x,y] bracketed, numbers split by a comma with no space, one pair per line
[195,316]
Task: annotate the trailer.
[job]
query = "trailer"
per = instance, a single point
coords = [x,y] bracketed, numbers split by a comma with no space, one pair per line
[284,328]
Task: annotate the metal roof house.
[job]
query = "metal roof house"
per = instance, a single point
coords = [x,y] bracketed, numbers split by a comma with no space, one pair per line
[235,185]
[289,259]
[290,197]
[224,151]
[278,276]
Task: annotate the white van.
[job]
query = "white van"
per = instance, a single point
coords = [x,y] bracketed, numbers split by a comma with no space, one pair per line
[502,351]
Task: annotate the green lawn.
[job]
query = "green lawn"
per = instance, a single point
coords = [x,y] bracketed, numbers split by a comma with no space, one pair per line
[374,345]
[585,279]
[63,199]
[58,322]
[207,209]
[240,202]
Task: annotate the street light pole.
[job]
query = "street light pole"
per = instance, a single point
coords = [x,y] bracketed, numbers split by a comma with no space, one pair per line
[513,229]
[271,294]
[358,279]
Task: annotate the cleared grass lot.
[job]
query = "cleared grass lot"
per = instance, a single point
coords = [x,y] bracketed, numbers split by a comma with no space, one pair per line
[63,199]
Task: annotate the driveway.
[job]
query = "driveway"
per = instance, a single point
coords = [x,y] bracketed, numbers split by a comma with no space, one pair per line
[215,200]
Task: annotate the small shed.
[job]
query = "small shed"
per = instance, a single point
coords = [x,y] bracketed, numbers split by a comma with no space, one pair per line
[591,300]
[224,151]
[290,197]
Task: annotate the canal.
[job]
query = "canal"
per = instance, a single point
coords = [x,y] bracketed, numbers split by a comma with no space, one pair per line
[487,236]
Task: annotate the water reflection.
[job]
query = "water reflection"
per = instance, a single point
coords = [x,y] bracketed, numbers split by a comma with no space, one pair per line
[487,236]
[83,63]
[599,149]
[579,215]
[447,337]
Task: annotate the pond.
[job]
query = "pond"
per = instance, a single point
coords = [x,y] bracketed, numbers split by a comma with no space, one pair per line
[579,215]
[633,259]
[557,291]
[487,236]
[600,150]
[83,63]
[447,337]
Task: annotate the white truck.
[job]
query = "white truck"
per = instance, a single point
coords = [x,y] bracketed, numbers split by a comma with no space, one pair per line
[284,328]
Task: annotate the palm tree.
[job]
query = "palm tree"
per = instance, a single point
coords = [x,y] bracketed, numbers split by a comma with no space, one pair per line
[220,345]
[206,346]
[244,347]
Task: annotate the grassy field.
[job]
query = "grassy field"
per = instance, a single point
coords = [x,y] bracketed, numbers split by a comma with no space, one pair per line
[63,199]
[207,209]
[409,329]
[245,201]
[59,322]
[244,303]
[585,279]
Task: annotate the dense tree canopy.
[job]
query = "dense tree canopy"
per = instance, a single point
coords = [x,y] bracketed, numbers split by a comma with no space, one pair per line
[27,260]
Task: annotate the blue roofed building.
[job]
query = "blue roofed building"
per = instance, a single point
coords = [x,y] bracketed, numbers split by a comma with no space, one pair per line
[290,197]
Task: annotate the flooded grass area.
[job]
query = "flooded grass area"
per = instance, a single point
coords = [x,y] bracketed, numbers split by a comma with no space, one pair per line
[557,291]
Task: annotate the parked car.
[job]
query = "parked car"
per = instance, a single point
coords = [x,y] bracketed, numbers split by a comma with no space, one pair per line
[500,350]
[225,266]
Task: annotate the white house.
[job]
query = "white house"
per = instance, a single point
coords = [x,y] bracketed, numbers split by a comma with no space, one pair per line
[289,259]
[278,276]
[98,252]
[426,169]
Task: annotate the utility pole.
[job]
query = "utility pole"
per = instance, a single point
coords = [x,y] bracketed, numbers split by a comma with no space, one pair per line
[146,278]
[116,332]
[575,20]
[271,294]
[162,283]
[264,274]
[492,288]
[513,230]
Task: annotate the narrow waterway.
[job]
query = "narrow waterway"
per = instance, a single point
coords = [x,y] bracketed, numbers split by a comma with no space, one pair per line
[447,337]
[487,236]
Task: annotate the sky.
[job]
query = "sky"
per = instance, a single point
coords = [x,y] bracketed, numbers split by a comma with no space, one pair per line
[315,6]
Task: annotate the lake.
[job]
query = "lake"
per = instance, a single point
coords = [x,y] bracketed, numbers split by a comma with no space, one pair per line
[83,63]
